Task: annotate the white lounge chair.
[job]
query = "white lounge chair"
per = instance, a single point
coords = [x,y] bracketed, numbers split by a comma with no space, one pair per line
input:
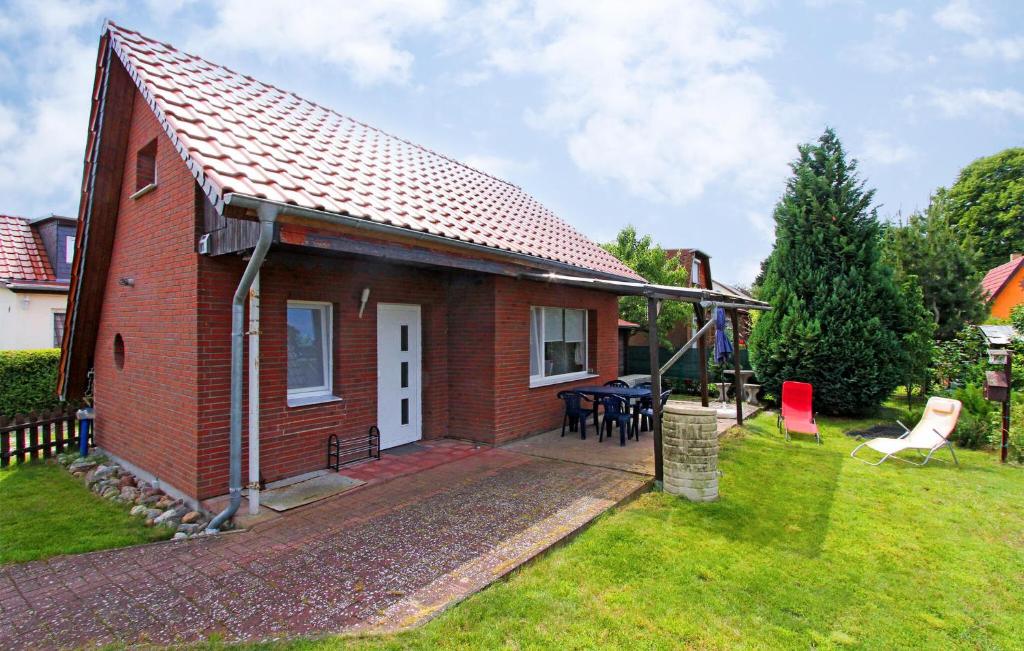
[931,434]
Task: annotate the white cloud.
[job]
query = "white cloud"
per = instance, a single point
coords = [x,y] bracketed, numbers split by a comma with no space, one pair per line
[762,221]
[968,101]
[884,52]
[896,21]
[44,132]
[1008,49]
[959,16]
[882,147]
[661,97]
[362,38]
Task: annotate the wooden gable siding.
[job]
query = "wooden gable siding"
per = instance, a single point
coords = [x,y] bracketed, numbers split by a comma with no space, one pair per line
[113,98]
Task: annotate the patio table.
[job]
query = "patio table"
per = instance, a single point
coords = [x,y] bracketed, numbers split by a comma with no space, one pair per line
[631,394]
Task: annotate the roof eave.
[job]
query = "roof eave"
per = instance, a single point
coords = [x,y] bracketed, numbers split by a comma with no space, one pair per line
[248,202]
[37,287]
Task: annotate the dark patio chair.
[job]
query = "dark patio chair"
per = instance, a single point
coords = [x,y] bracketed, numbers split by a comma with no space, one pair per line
[616,410]
[647,410]
[616,383]
[640,423]
[576,413]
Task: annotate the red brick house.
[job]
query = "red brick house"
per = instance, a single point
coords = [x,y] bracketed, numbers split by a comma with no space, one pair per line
[399,287]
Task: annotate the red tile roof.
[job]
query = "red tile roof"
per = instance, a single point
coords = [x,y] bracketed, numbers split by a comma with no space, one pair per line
[997,278]
[239,135]
[628,324]
[22,256]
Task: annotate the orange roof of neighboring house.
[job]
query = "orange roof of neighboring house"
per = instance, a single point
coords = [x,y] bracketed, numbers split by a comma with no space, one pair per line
[628,324]
[22,255]
[995,280]
[239,135]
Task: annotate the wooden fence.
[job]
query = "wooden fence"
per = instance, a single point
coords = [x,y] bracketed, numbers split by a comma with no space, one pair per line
[38,435]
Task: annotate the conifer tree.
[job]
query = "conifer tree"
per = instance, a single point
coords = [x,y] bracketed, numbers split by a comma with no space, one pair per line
[837,319]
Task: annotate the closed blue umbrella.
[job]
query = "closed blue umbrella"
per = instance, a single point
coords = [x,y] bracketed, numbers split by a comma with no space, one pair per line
[722,346]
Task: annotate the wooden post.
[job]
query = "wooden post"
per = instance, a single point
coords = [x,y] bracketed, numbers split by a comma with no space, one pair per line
[1004,448]
[652,347]
[736,365]
[702,354]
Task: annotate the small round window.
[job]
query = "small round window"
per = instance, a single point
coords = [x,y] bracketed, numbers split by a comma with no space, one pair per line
[119,350]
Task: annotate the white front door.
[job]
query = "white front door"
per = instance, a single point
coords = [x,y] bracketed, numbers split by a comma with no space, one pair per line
[398,374]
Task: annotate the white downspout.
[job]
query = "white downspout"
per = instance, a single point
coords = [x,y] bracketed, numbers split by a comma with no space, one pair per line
[254,396]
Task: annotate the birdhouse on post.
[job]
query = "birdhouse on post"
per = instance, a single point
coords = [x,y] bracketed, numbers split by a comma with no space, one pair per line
[997,383]
[997,388]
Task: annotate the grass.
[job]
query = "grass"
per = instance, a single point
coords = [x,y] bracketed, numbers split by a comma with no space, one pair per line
[44,512]
[806,549]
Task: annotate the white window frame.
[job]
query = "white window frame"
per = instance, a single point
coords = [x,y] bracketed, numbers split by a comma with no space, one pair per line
[310,395]
[540,380]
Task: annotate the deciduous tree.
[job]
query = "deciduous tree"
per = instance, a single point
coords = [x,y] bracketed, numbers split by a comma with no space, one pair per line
[649,260]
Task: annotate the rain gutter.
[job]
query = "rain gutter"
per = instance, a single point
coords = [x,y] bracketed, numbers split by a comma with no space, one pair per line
[267,217]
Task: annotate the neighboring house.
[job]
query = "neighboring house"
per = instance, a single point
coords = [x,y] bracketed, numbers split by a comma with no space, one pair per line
[626,330]
[401,289]
[698,271]
[35,266]
[746,325]
[1003,286]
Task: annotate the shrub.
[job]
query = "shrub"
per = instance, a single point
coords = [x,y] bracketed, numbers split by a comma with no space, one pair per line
[28,380]
[961,361]
[1016,451]
[974,430]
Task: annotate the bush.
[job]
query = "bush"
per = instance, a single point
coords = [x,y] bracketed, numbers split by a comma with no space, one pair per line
[974,430]
[961,361]
[28,380]
[1016,451]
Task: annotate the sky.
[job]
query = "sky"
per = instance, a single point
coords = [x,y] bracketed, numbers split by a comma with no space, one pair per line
[677,117]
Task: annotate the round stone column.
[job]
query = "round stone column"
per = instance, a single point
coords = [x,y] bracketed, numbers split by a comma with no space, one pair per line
[689,440]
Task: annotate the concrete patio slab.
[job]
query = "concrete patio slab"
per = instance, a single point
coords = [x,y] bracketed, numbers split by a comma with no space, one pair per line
[306,492]
[635,457]
[386,555]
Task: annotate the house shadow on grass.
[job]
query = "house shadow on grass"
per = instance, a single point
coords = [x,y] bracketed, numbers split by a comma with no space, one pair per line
[775,493]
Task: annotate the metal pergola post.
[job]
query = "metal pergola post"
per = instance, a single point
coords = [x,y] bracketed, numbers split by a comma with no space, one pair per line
[653,306]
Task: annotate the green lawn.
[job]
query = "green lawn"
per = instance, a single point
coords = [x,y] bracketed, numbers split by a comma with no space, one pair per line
[44,511]
[806,549]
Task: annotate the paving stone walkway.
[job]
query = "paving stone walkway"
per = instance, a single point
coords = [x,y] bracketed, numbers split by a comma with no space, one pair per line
[382,557]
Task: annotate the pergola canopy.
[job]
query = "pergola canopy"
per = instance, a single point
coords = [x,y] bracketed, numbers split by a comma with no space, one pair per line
[705,297]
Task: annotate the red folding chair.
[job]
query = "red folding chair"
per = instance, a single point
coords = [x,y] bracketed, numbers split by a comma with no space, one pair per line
[797,414]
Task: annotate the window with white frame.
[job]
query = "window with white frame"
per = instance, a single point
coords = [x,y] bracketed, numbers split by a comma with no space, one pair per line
[309,349]
[558,342]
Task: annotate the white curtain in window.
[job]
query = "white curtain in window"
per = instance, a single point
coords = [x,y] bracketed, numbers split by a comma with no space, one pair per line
[552,324]
[574,325]
[535,341]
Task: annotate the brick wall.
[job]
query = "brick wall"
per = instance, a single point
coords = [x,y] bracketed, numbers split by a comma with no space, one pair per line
[521,410]
[146,411]
[471,349]
[293,440]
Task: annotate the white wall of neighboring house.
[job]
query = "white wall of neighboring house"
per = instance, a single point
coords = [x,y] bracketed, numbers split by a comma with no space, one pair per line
[27,324]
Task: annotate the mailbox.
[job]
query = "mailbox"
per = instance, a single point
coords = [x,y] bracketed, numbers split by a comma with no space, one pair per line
[997,389]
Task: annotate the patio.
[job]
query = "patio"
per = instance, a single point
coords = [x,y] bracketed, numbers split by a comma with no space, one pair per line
[635,457]
[386,555]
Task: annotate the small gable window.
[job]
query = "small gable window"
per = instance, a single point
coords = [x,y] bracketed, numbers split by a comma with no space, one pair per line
[145,169]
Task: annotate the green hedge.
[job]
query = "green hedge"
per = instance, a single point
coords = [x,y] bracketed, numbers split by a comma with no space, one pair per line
[28,380]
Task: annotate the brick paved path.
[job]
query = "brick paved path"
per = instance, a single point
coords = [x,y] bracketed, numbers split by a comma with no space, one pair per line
[384,556]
